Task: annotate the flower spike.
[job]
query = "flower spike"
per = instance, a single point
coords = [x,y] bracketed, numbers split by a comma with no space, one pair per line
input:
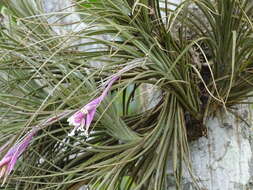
[9,160]
[81,120]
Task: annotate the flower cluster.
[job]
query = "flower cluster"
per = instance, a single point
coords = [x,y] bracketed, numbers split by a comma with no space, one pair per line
[81,120]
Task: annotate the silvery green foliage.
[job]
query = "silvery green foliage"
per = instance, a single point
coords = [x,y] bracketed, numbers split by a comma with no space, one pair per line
[227,162]
[221,161]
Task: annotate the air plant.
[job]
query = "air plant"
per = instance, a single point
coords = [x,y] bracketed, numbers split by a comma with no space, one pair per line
[200,65]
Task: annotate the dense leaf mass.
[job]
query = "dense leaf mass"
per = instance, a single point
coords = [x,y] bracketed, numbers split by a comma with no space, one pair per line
[187,61]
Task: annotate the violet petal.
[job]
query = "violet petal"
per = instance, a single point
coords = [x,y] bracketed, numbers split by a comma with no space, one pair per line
[89,118]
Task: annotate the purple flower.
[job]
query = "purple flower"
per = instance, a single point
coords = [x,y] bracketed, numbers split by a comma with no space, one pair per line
[9,160]
[81,120]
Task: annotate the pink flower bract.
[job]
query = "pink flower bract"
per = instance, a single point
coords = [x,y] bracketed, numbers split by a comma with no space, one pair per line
[9,160]
[81,120]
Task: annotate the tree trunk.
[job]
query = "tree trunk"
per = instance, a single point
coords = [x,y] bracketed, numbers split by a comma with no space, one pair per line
[223,160]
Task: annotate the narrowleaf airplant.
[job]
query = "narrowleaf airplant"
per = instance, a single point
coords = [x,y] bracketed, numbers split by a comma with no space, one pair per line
[196,55]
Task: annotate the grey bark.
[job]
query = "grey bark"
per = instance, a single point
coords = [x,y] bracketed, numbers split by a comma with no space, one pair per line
[223,160]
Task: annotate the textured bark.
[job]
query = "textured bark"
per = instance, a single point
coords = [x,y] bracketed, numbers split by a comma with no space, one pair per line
[223,161]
